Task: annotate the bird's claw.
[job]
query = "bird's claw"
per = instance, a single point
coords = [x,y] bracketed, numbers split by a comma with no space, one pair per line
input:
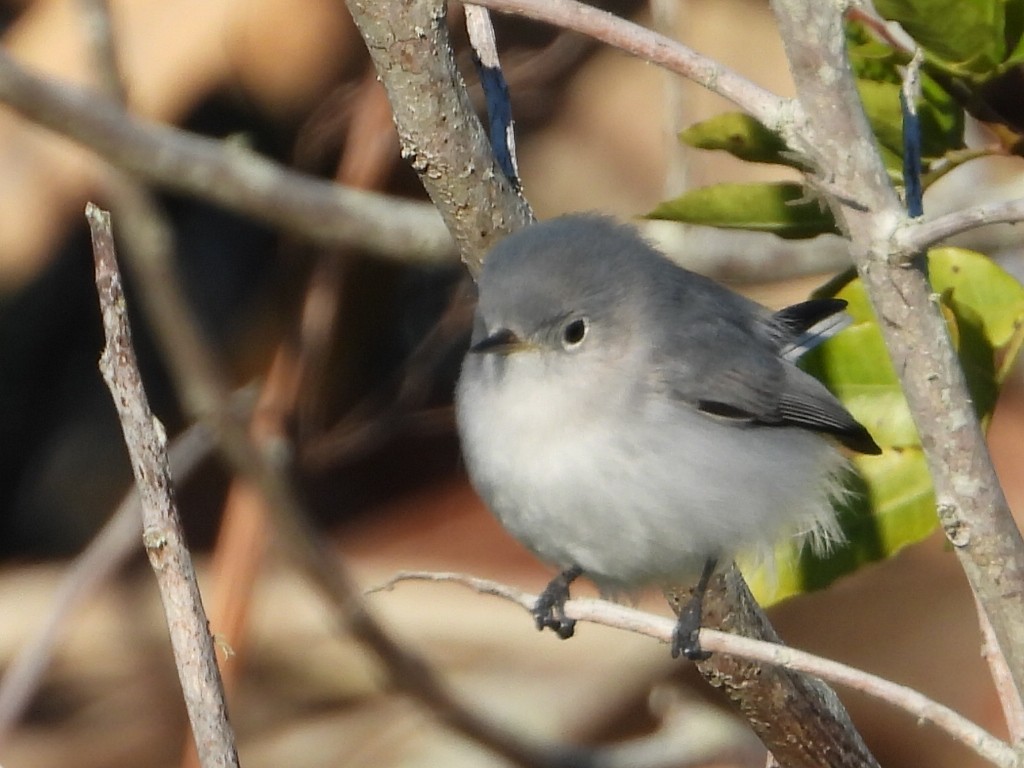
[549,610]
[686,641]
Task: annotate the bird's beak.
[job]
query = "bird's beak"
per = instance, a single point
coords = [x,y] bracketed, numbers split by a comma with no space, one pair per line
[501,342]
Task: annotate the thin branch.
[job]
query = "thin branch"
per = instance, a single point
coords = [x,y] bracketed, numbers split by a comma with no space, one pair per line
[660,628]
[920,234]
[774,111]
[105,554]
[228,174]
[162,535]
[971,505]
[1013,709]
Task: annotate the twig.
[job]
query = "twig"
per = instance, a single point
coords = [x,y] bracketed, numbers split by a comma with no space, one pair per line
[229,175]
[920,234]
[617,616]
[162,534]
[775,112]
[1013,709]
[970,502]
[106,553]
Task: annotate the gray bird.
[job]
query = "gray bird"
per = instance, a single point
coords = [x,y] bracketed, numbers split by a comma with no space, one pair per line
[629,420]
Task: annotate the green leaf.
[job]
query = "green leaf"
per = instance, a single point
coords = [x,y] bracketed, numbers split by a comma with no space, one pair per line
[740,135]
[890,503]
[870,58]
[1013,31]
[779,208]
[966,37]
[979,283]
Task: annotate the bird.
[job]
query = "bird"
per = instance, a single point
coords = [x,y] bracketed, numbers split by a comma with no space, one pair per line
[634,422]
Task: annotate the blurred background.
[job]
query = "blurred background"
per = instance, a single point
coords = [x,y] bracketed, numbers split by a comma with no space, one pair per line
[291,79]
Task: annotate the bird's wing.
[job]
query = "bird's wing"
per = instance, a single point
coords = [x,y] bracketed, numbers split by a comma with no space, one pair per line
[723,369]
[801,327]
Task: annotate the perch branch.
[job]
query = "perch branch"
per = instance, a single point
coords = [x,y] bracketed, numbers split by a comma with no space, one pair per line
[660,628]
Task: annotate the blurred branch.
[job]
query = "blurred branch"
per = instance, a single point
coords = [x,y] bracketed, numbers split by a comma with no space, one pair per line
[1002,678]
[774,111]
[441,136]
[105,554]
[227,174]
[100,30]
[660,628]
[162,535]
[971,505]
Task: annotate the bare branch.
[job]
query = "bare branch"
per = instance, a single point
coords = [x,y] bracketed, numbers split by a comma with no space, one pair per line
[917,235]
[775,112]
[1013,708]
[971,505]
[228,174]
[99,27]
[618,616]
[162,534]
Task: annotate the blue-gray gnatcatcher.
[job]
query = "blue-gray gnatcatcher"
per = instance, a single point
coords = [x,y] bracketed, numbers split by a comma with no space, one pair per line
[632,421]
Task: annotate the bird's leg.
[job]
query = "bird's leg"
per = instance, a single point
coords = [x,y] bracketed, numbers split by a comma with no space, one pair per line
[686,637]
[549,610]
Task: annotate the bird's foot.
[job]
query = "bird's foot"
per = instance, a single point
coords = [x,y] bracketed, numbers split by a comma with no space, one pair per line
[686,635]
[549,610]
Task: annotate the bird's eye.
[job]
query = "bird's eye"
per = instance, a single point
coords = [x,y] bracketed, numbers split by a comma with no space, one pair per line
[574,332]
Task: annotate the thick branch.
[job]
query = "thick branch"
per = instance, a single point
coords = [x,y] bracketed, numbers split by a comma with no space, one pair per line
[971,505]
[441,135]
[162,535]
[228,175]
[799,718]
